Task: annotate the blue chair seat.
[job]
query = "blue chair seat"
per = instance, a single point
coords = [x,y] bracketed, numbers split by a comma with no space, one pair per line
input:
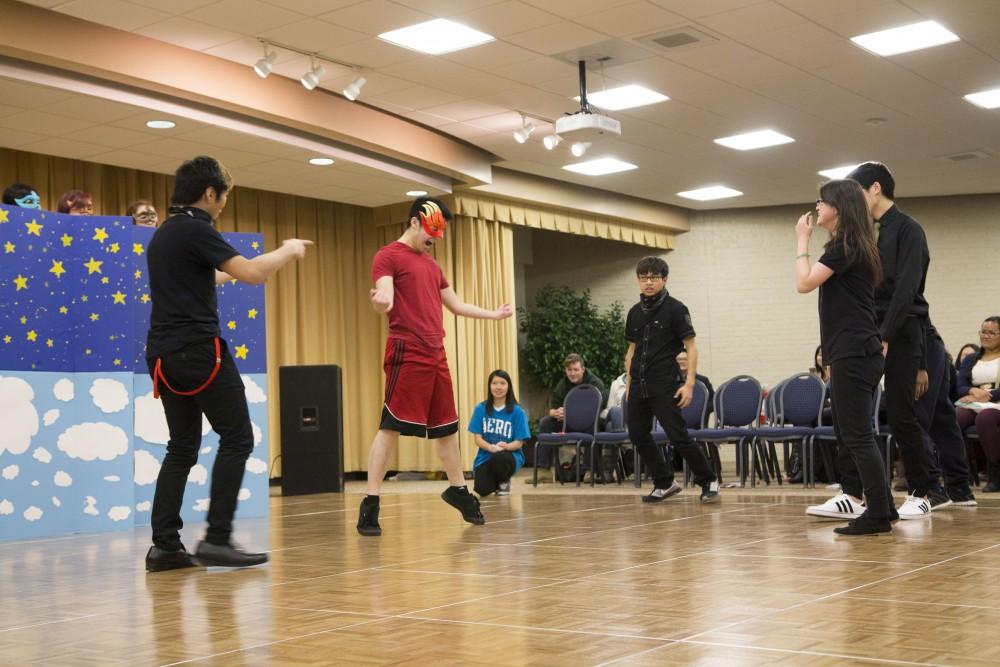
[567,438]
[723,433]
[783,433]
[612,438]
[824,432]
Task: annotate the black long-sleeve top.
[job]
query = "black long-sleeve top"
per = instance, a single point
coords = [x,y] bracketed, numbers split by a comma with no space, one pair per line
[902,247]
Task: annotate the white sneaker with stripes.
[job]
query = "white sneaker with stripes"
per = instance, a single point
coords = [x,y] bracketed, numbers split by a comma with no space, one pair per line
[842,506]
[915,508]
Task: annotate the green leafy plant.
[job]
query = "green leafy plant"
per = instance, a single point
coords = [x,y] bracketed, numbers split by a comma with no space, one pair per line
[564,321]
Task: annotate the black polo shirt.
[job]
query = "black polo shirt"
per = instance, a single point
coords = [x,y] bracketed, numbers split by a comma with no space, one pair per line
[902,247]
[846,308]
[182,258]
[659,337]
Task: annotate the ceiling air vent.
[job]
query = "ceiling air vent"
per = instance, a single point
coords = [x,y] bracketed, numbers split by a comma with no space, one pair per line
[678,38]
[969,155]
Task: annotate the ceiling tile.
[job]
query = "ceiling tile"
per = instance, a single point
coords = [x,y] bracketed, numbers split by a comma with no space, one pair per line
[569,9]
[174,7]
[489,57]
[760,17]
[313,35]
[11,138]
[113,13]
[44,123]
[415,97]
[62,147]
[465,130]
[85,107]
[506,18]
[248,17]
[311,7]
[443,7]
[134,160]
[873,18]
[30,96]
[114,137]
[637,18]
[556,38]
[465,110]
[376,16]
[372,53]
[535,70]
[187,33]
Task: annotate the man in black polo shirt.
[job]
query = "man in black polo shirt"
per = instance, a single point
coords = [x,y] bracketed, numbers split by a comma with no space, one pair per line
[192,370]
[902,313]
[657,329]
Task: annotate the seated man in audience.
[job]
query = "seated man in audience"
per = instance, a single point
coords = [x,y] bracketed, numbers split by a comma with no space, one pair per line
[576,374]
[682,363]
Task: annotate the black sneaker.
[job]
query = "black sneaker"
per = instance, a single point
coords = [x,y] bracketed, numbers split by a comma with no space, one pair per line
[658,495]
[710,492]
[160,560]
[864,525]
[464,502]
[962,497]
[368,517]
[893,514]
[938,500]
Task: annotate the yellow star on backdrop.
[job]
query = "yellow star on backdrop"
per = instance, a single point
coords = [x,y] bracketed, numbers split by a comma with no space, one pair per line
[105,280]
[34,228]
[63,310]
[114,247]
[241,351]
[8,247]
[94,317]
[6,339]
[138,274]
[66,240]
[117,362]
[252,313]
[137,248]
[254,245]
[21,282]
[57,269]
[118,297]
[49,343]
[144,298]
[32,336]
[231,324]
[84,298]
[24,320]
[87,351]
[100,234]
[3,215]
[93,266]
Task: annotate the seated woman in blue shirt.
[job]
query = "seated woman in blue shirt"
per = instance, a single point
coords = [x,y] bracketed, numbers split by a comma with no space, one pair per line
[500,426]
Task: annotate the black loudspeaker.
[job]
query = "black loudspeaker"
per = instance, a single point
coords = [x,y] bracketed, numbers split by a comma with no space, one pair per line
[312,429]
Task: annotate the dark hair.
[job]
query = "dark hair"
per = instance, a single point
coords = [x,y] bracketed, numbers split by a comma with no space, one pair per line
[195,176]
[71,198]
[817,367]
[995,319]
[572,358]
[654,265]
[971,346]
[16,191]
[868,173]
[854,227]
[418,204]
[134,206]
[511,399]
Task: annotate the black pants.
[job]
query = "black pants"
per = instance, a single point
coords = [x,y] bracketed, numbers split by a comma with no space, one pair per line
[943,442]
[495,471]
[641,410]
[224,404]
[901,366]
[862,472]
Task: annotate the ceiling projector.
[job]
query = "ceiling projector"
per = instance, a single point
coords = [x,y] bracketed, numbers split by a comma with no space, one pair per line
[588,123]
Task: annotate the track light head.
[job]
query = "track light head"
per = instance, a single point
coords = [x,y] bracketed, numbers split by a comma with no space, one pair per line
[579,148]
[353,90]
[264,66]
[311,78]
[521,136]
[551,141]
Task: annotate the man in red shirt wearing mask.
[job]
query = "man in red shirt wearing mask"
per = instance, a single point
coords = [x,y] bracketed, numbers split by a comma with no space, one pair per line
[411,288]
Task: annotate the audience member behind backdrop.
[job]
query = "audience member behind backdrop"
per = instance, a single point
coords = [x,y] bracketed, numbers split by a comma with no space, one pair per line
[818,369]
[143,213]
[23,195]
[76,202]
[500,427]
[979,382]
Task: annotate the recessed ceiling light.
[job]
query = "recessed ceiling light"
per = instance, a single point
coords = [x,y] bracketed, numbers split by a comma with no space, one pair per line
[710,192]
[752,140]
[624,97]
[838,172]
[987,99]
[321,161]
[905,38]
[436,37]
[600,166]
[416,193]
[160,124]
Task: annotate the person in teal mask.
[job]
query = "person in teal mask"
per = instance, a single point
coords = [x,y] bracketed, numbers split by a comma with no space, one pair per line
[19,194]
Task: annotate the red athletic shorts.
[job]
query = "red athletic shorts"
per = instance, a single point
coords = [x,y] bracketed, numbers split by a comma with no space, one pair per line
[418,395]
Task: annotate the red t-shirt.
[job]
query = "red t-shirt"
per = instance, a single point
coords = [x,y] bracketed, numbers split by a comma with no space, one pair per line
[417,280]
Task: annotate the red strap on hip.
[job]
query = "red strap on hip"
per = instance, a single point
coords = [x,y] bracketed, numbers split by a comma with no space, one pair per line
[158,375]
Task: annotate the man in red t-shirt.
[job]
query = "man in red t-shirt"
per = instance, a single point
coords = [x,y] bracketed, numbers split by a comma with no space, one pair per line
[410,286]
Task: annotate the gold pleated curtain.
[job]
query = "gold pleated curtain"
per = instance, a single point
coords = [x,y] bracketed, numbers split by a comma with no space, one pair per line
[477,257]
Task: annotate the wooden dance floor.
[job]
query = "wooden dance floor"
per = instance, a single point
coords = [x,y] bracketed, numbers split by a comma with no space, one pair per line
[573,578]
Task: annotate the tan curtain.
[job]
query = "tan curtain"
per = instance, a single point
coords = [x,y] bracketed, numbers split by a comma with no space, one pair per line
[474,205]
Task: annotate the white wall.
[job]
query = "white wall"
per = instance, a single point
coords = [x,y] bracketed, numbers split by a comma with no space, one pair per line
[734,270]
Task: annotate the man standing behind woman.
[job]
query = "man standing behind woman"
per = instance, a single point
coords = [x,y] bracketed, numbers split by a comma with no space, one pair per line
[846,275]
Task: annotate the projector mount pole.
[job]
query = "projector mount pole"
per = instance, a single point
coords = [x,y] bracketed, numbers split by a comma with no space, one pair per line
[584,105]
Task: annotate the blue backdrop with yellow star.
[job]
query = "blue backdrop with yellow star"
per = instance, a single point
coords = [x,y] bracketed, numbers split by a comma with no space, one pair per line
[84,437]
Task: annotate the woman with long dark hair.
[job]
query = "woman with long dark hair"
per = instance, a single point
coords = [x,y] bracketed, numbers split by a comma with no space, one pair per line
[846,275]
[500,427]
